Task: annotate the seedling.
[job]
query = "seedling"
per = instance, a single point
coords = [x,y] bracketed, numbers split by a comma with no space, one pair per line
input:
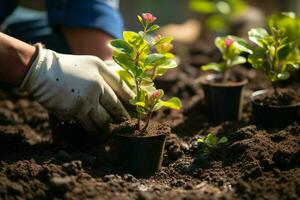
[144,58]
[230,56]
[290,22]
[220,14]
[211,142]
[274,53]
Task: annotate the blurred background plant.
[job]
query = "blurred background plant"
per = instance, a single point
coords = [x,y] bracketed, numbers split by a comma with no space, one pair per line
[219,14]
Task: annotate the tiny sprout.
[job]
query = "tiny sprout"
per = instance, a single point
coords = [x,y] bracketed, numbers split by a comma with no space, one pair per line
[211,142]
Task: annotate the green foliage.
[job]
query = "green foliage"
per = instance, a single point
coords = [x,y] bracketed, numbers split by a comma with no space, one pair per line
[290,22]
[274,53]
[211,142]
[220,13]
[230,54]
[143,59]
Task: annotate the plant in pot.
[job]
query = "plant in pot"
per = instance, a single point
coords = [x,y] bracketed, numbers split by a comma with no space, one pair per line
[276,56]
[140,142]
[223,94]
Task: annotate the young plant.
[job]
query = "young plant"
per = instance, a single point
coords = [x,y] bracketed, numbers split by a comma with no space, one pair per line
[274,53]
[220,13]
[290,22]
[230,56]
[143,58]
[211,142]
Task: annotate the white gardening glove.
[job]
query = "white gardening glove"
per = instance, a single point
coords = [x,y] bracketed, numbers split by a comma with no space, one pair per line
[77,87]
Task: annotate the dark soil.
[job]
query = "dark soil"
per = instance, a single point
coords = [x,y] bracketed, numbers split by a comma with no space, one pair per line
[283,98]
[130,128]
[254,164]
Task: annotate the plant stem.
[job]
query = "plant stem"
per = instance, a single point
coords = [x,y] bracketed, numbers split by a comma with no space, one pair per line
[225,76]
[154,73]
[147,121]
[138,93]
[275,88]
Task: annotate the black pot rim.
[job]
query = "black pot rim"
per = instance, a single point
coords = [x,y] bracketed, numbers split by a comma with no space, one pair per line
[208,77]
[261,92]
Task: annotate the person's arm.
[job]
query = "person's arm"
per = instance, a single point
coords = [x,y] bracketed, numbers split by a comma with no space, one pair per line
[87,41]
[71,87]
[15,59]
[87,25]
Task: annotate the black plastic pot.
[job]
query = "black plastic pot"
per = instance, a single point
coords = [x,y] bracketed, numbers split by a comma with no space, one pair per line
[141,156]
[223,101]
[269,116]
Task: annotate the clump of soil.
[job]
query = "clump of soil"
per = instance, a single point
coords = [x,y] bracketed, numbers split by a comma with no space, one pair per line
[130,128]
[284,97]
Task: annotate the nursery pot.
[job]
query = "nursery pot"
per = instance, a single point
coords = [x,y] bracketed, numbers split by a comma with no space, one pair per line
[223,100]
[141,156]
[270,116]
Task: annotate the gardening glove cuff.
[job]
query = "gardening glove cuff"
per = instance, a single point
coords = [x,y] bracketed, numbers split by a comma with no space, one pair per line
[77,87]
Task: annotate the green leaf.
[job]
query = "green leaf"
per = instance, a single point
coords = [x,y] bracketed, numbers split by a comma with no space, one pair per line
[284,51]
[243,46]
[164,40]
[141,104]
[168,64]
[200,140]
[223,140]
[154,59]
[140,19]
[205,6]
[173,103]
[237,60]
[212,66]
[153,28]
[134,39]
[283,75]
[220,43]
[127,77]
[217,23]
[257,34]
[121,46]
[211,140]
[140,109]
[126,63]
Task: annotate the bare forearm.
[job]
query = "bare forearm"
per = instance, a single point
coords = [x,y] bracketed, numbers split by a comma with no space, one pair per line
[83,41]
[15,58]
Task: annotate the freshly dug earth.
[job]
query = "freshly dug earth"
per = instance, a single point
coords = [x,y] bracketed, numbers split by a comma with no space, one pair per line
[254,164]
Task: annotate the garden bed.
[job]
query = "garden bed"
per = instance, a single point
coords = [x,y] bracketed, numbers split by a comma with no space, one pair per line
[254,164]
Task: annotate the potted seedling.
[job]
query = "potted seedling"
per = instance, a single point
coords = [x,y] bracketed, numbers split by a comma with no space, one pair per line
[140,142]
[223,94]
[276,55]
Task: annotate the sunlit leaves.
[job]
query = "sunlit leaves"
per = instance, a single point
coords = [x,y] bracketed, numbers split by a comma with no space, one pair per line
[143,58]
[230,51]
[257,35]
[276,55]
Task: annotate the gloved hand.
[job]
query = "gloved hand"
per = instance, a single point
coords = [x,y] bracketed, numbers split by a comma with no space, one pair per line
[77,87]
